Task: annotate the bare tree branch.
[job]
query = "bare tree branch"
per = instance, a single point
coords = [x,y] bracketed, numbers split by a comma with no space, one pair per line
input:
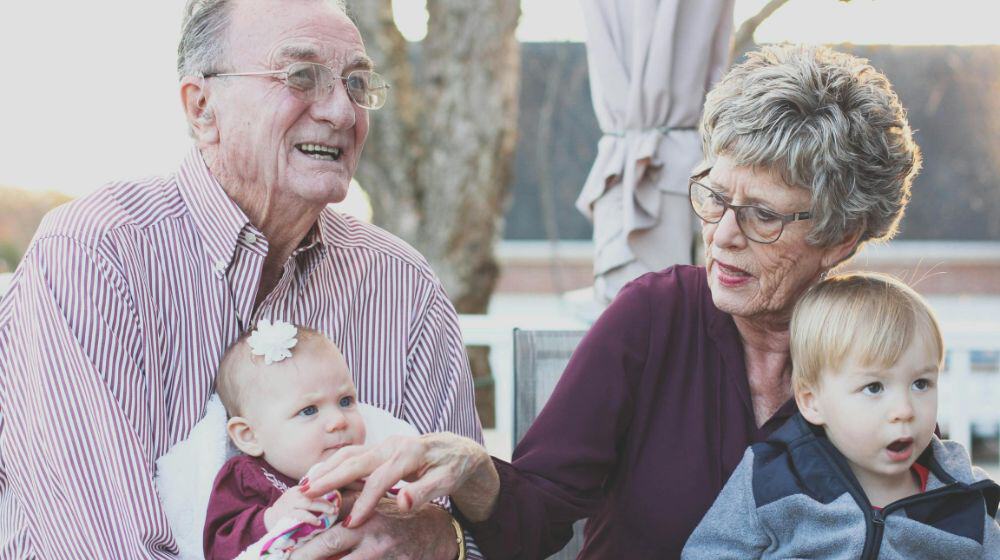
[743,38]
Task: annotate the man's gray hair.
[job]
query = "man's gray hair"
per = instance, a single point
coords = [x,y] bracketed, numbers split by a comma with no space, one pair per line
[202,46]
[822,120]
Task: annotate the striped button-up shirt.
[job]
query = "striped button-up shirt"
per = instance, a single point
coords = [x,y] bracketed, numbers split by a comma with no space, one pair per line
[115,323]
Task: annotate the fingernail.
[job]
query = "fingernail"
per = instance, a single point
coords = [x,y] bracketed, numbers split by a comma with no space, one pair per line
[330,497]
[304,487]
[347,522]
[408,500]
[304,481]
[394,490]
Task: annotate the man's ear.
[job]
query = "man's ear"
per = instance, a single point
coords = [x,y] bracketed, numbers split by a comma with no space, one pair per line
[243,436]
[809,405]
[839,252]
[199,116]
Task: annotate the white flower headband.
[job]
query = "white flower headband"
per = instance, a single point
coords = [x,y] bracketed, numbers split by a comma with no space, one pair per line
[273,341]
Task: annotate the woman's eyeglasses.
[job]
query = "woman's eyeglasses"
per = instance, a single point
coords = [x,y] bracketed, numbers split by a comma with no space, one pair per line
[757,223]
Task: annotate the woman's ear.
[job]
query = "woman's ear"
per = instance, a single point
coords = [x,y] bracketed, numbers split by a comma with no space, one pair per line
[243,436]
[200,118]
[809,406]
[839,252]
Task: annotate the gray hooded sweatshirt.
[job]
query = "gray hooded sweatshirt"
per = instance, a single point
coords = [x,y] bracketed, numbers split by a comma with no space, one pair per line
[794,496]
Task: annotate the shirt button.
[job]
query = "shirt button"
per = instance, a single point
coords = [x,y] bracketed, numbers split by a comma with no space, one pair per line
[250,238]
[220,267]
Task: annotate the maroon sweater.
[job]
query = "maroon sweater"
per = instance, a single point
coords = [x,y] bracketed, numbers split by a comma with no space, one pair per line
[649,419]
[243,489]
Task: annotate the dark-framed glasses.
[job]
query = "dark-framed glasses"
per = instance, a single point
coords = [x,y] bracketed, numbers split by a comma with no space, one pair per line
[310,81]
[756,222]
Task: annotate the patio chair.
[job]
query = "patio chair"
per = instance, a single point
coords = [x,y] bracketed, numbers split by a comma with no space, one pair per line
[539,360]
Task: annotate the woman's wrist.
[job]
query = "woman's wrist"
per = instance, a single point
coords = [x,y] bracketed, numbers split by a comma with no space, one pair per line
[476,484]
[477,498]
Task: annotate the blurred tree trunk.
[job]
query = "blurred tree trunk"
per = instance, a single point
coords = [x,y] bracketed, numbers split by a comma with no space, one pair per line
[438,157]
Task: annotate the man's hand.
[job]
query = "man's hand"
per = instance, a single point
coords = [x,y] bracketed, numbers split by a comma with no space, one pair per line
[426,533]
[294,504]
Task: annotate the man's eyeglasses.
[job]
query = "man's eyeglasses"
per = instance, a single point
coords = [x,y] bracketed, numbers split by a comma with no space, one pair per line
[757,223]
[310,82]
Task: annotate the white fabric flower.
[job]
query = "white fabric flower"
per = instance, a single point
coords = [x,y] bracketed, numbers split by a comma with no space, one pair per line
[273,341]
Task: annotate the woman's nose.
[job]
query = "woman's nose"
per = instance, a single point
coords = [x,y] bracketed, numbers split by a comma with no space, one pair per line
[727,232]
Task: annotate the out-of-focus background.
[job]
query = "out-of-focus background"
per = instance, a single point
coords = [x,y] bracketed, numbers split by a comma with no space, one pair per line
[90,95]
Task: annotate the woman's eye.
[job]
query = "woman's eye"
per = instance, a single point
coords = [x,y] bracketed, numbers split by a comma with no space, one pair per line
[872,388]
[346,402]
[922,384]
[308,411]
[765,216]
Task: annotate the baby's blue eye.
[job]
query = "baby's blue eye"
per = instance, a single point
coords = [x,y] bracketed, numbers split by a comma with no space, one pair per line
[308,411]
[922,384]
[873,388]
[346,402]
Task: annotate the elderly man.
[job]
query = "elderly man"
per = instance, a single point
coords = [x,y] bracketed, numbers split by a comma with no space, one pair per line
[116,320]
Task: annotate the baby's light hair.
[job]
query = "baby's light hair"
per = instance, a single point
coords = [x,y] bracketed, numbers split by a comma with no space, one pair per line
[239,367]
[870,317]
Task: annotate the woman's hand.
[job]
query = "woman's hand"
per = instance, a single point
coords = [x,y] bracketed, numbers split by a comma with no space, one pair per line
[436,465]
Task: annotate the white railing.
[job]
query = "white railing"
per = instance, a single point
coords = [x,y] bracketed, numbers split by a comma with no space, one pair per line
[969,397]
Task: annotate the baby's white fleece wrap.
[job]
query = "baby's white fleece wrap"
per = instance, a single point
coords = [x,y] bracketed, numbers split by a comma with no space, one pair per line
[184,475]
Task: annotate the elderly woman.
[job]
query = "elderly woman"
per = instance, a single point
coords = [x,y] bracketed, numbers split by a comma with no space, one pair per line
[808,156]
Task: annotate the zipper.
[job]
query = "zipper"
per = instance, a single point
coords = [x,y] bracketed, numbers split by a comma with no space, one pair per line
[874,545]
[875,519]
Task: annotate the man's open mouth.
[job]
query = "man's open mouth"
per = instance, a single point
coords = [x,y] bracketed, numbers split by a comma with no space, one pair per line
[319,151]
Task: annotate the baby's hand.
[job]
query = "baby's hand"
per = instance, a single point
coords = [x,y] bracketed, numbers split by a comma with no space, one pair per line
[295,505]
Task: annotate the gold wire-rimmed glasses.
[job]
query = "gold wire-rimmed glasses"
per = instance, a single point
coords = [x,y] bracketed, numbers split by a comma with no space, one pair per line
[311,81]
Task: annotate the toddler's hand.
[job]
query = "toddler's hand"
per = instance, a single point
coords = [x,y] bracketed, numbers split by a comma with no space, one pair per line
[295,505]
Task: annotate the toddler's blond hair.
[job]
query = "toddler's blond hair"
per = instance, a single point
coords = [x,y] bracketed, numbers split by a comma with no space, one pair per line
[871,317]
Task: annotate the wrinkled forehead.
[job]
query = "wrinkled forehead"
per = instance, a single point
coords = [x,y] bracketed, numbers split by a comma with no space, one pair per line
[271,33]
[753,184]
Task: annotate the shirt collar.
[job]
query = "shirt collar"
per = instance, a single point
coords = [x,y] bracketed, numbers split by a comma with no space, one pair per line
[221,222]
[218,219]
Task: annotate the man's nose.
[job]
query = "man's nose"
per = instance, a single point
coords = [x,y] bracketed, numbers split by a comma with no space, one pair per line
[336,107]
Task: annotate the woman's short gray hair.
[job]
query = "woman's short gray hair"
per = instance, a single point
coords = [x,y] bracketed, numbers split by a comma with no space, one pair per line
[202,44]
[822,120]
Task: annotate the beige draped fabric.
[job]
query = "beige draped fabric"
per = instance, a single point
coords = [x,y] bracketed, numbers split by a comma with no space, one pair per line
[651,63]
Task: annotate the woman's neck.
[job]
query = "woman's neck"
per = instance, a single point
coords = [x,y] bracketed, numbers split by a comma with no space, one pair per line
[768,364]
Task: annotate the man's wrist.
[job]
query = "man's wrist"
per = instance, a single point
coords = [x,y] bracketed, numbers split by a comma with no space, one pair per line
[452,538]
[459,538]
[429,529]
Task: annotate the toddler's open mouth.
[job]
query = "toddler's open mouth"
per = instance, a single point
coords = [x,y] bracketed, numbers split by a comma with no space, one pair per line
[901,449]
